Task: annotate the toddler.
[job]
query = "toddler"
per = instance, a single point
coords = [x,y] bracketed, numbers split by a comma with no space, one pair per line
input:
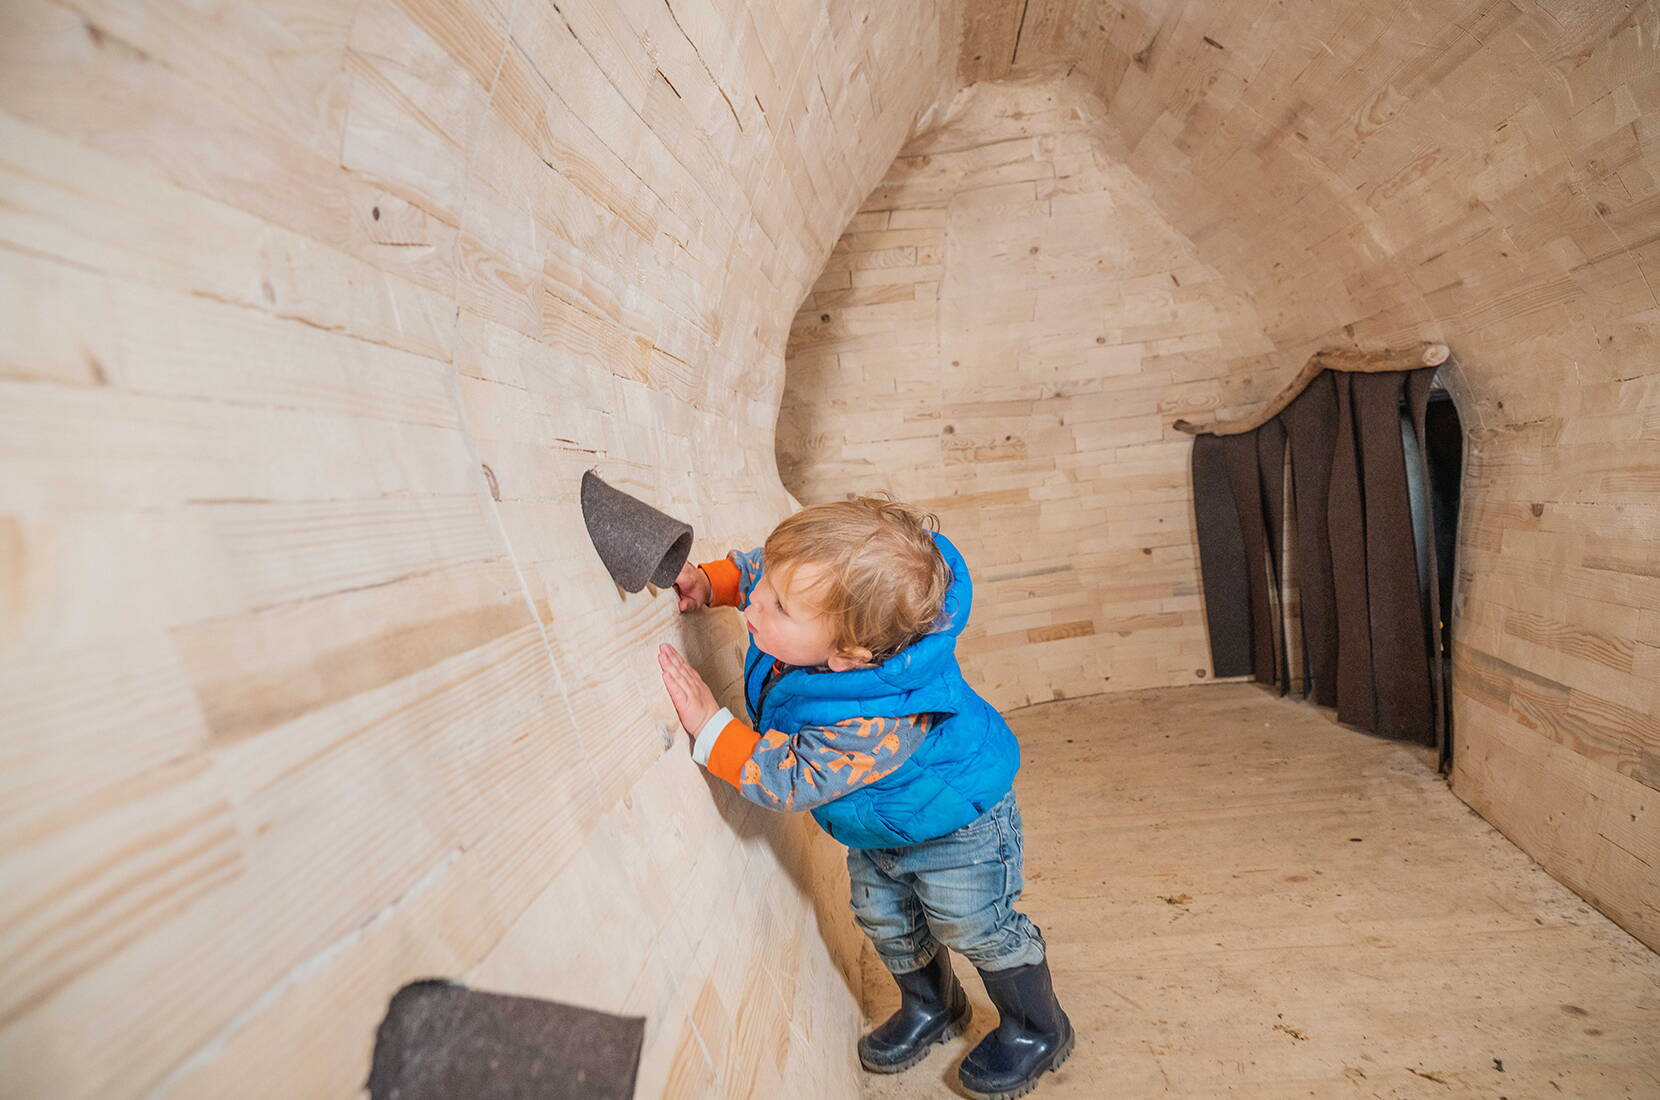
[862,716]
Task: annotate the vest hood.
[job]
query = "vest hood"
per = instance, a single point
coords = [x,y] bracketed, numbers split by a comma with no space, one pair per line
[918,663]
[964,765]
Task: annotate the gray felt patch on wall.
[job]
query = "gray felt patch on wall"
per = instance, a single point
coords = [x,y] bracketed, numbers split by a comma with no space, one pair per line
[442,1041]
[636,542]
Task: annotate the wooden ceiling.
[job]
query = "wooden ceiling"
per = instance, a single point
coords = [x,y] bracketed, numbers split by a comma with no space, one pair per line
[1003,36]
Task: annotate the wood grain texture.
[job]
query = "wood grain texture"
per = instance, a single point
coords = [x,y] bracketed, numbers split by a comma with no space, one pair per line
[1299,909]
[1482,176]
[315,313]
[313,683]
[1015,377]
[1479,175]
[1335,359]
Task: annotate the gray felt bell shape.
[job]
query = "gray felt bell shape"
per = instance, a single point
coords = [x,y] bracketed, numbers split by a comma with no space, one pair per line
[440,1040]
[636,542]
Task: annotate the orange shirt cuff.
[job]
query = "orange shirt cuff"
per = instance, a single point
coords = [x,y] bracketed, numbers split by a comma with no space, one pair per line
[724,577]
[733,747]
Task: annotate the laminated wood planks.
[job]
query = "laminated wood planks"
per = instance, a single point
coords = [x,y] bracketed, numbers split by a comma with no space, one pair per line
[1047,338]
[321,313]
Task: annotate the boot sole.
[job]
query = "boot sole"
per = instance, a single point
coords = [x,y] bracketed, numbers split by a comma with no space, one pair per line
[1061,1056]
[953,1029]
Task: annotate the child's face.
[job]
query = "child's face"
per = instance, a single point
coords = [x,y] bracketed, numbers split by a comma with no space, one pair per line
[788,625]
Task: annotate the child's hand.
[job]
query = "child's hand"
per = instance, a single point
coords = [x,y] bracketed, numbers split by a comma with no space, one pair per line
[693,588]
[692,699]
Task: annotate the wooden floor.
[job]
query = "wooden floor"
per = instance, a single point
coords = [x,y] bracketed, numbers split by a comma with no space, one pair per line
[1244,899]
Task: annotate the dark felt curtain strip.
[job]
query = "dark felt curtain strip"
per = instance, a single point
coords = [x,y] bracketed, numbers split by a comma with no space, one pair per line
[1294,630]
[1400,652]
[1270,439]
[1417,399]
[1366,625]
[1222,568]
[1346,530]
[1311,422]
[441,1041]
[1240,456]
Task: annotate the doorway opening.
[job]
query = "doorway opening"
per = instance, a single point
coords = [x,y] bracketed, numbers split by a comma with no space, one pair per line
[1444,449]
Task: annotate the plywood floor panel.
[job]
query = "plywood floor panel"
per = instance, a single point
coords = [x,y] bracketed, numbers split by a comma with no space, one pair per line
[1214,931]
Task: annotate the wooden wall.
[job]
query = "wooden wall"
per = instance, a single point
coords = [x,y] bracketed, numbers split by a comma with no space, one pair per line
[1478,173]
[315,313]
[1484,174]
[998,337]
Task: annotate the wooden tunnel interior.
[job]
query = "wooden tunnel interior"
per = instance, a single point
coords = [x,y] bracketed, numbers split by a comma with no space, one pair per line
[316,312]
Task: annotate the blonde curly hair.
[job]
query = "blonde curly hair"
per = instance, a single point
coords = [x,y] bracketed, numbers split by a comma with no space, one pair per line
[884,581]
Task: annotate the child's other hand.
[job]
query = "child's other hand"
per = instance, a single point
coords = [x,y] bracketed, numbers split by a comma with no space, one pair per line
[693,588]
[692,699]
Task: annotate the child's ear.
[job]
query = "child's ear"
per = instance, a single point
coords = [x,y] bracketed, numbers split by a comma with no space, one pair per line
[849,659]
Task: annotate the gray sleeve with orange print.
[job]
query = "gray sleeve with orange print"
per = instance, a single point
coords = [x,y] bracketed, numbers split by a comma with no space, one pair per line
[816,765]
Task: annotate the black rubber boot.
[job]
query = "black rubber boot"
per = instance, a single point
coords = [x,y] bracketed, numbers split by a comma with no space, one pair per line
[932,1009]
[1034,1035]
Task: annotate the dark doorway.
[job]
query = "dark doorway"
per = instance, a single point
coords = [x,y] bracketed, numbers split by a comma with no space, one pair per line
[1444,446]
[1368,528]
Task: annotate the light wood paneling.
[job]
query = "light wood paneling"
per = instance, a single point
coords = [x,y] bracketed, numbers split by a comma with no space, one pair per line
[1003,335]
[1475,174]
[1483,175]
[315,314]
[1244,899]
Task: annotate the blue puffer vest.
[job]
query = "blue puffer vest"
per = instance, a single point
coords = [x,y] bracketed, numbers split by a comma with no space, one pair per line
[964,765]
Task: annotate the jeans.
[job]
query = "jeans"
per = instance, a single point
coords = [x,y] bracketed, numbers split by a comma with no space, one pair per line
[958,889]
